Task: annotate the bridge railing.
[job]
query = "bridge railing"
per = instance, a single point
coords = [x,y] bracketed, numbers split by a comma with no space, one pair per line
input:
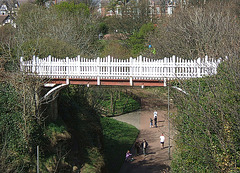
[111,68]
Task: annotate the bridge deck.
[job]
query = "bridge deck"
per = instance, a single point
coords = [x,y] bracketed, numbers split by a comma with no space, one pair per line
[108,82]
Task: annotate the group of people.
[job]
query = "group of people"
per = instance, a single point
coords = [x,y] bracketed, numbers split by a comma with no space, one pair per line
[154,118]
[144,144]
[138,146]
[141,145]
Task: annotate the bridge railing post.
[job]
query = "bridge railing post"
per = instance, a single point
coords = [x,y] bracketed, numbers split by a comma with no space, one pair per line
[79,65]
[199,67]
[165,82]
[131,71]
[140,65]
[173,66]
[49,66]
[206,67]
[165,67]
[21,64]
[98,71]
[67,67]
[33,64]
[109,65]
[37,65]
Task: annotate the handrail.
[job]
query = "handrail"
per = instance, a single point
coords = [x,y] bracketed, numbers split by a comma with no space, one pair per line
[111,68]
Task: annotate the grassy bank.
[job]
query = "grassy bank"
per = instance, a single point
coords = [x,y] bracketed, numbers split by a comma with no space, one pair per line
[118,138]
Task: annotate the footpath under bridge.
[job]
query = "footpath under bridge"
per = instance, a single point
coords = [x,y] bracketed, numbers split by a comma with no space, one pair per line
[138,71]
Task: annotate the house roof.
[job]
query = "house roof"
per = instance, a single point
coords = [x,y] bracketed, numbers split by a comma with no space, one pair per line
[2,18]
[8,3]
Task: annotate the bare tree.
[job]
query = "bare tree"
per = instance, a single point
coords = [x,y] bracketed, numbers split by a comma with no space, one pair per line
[195,32]
[39,23]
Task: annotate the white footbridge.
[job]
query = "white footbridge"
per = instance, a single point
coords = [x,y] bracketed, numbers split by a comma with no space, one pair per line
[140,71]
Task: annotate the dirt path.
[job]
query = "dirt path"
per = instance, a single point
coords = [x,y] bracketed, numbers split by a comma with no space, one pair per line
[157,159]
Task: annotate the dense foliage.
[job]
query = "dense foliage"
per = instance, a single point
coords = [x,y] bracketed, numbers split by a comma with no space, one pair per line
[20,133]
[72,8]
[208,122]
[138,42]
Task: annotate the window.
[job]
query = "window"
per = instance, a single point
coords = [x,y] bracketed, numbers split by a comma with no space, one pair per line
[119,11]
[158,10]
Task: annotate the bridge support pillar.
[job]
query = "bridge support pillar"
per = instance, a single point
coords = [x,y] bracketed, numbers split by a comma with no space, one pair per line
[53,110]
[49,98]
[131,81]
[49,107]
[67,81]
[98,81]
[165,82]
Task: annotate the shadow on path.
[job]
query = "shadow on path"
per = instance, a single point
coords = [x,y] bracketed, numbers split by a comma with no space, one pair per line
[157,160]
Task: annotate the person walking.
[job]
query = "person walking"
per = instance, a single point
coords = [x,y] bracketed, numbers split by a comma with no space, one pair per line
[144,147]
[162,139]
[151,122]
[137,147]
[155,118]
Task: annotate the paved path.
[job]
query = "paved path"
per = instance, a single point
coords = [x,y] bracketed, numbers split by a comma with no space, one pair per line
[157,160]
[131,118]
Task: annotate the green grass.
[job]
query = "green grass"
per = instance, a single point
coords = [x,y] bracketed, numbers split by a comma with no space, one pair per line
[124,104]
[118,138]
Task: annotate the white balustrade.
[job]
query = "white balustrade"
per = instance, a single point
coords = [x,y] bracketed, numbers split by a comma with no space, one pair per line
[111,68]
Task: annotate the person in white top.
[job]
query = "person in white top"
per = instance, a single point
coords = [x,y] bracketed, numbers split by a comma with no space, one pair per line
[155,118]
[162,139]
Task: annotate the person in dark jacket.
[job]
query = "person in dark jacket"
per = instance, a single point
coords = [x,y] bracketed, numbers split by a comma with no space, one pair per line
[137,147]
[144,147]
[155,118]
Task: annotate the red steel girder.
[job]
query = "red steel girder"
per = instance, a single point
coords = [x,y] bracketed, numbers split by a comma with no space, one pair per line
[109,82]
